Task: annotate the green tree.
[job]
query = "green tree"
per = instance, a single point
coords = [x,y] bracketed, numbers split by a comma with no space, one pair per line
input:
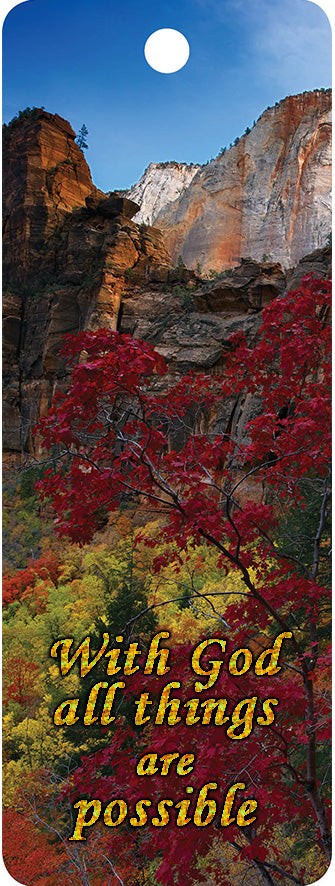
[81,138]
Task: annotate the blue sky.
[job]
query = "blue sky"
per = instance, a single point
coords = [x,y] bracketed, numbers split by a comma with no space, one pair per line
[84,60]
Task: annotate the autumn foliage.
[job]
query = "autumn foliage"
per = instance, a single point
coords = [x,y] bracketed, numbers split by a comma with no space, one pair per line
[248,503]
[114,428]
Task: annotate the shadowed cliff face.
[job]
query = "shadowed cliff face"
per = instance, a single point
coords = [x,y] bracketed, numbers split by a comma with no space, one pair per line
[75,259]
[267,195]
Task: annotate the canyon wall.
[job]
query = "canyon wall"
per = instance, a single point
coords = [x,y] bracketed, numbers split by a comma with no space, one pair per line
[75,259]
[267,195]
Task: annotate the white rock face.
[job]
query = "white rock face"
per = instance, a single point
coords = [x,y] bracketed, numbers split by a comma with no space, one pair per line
[268,195]
[160,185]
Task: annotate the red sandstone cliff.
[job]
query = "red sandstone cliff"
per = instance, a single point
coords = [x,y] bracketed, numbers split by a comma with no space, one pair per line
[45,176]
[70,253]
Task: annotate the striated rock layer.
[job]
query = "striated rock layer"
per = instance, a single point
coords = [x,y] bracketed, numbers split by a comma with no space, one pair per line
[268,195]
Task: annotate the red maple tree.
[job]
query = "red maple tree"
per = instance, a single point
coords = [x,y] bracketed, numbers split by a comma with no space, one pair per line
[260,497]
